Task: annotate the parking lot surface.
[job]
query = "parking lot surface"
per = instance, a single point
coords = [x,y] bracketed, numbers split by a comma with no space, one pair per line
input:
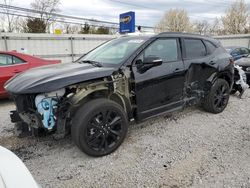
[185,149]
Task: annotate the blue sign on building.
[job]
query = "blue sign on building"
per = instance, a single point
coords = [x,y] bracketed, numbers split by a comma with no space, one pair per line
[127,22]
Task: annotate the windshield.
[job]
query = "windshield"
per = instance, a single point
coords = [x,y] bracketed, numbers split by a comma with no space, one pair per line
[114,51]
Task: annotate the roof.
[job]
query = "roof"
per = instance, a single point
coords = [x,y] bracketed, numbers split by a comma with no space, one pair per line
[176,34]
[167,34]
[13,172]
[189,35]
[180,34]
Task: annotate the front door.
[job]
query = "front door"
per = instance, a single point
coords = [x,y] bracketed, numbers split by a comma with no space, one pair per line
[160,88]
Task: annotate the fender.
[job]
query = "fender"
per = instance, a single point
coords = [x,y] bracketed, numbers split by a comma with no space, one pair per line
[223,74]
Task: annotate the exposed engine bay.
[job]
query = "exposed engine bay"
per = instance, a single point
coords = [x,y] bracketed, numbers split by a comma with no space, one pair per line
[47,105]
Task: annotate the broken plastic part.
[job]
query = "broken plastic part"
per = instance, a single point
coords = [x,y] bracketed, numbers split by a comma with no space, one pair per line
[242,80]
[46,105]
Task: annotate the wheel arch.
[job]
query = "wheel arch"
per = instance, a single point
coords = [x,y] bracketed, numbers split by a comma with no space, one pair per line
[105,93]
[226,75]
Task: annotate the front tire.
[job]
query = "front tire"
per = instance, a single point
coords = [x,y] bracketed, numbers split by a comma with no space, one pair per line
[99,127]
[217,99]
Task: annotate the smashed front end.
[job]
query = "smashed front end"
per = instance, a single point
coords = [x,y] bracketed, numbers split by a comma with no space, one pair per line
[52,112]
[37,113]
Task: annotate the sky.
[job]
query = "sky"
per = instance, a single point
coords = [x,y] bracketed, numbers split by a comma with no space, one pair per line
[148,12]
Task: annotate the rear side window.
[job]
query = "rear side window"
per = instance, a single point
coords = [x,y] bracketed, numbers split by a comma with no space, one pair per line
[17,60]
[194,48]
[210,46]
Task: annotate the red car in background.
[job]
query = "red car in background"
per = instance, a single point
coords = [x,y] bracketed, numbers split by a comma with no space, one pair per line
[12,63]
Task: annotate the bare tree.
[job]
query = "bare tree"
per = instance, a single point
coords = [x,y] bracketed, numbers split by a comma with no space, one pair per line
[2,23]
[175,20]
[201,27]
[235,20]
[46,9]
[71,28]
[85,29]
[216,27]
[8,18]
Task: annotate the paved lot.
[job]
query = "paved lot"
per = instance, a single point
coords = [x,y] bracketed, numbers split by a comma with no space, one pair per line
[187,149]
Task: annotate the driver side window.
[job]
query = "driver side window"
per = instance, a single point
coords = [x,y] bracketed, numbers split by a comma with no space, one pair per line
[165,49]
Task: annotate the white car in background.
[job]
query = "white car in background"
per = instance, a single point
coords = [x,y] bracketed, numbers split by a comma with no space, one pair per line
[13,172]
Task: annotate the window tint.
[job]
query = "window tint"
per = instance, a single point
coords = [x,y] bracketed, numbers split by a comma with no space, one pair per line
[16,60]
[166,49]
[194,48]
[114,51]
[5,60]
[244,51]
[210,46]
[236,52]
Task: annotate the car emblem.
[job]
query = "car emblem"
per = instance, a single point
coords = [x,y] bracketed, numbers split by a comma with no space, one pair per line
[125,19]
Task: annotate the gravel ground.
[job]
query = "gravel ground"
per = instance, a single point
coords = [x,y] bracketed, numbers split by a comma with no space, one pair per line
[186,149]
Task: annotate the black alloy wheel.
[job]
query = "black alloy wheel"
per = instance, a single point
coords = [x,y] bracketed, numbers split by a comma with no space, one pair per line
[217,98]
[104,130]
[99,127]
[221,97]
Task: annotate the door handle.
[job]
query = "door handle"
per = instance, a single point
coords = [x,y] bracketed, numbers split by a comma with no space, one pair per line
[176,70]
[212,63]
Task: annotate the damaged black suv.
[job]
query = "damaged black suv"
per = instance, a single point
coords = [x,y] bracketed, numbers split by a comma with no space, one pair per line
[125,79]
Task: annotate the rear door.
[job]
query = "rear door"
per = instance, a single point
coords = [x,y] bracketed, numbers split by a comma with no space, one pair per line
[9,66]
[200,62]
[160,88]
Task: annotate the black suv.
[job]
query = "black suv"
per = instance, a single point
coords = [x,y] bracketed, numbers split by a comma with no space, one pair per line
[125,79]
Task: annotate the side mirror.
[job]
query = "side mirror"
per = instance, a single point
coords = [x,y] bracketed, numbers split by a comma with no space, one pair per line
[148,63]
[152,60]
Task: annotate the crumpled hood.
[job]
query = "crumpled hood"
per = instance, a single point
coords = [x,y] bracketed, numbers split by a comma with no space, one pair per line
[54,77]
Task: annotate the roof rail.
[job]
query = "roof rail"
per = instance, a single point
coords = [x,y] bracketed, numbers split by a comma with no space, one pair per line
[180,33]
[170,33]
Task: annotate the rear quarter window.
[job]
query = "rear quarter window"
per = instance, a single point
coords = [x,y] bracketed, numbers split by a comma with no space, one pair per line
[195,48]
[210,46]
[17,60]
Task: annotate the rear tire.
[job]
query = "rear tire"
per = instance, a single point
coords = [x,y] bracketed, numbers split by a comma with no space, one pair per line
[99,127]
[217,99]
